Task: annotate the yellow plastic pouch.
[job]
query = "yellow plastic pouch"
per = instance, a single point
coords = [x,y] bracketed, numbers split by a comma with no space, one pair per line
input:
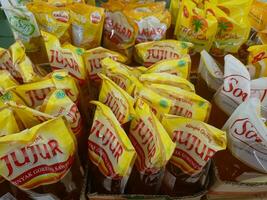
[10,96]
[145,6]
[153,145]
[65,57]
[6,81]
[149,53]
[191,157]
[52,19]
[263,36]
[197,27]
[57,103]
[257,53]
[91,2]
[61,3]
[232,31]
[158,103]
[120,74]
[257,61]
[114,162]
[35,93]
[119,101]
[174,9]
[201,3]
[130,2]
[235,9]
[87,25]
[167,79]
[17,63]
[22,63]
[179,67]
[120,31]
[184,103]
[137,71]
[52,137]
[6,63]
[8,123]
[28,116]
[152,20]
[93,57]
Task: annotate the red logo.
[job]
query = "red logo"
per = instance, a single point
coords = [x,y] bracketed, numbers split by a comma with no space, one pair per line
[245,131]
[95,17]
[231,84]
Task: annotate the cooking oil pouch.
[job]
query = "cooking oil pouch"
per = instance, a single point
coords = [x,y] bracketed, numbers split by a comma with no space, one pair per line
[34,94]
[6,63]
[61,3]
[152,20]
[17,63]
[262,35]
[184,103]
[245,132]
[91,2]
[232,32]
[93,57]
[129,2]
[65,57]
[148,53]
[52,137]
[118,100]
[236,85]
[158,103]
[145,5]
[167,79]
[201,3]
[120,31]
[52,19]
[8,122]
[109,63]
[257,61]
[8,96]
[137,71]
[257,53]
[209,71]
[153,145]
[195,25]
[28,116]
[86,25]
[192,157]
[57,103]
[23,24]
[179,67]
[59,12]
[174,9]
[120,74]
[113,162]
[258,89]
[22,63]
[235,9]
[6,81]
[132,71]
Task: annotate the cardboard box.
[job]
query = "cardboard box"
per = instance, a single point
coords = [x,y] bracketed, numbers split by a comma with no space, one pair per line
[233,190]
[143,197]
[96,196]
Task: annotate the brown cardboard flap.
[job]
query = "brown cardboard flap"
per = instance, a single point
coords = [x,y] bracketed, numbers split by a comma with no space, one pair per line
[231,188]
[143,197]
